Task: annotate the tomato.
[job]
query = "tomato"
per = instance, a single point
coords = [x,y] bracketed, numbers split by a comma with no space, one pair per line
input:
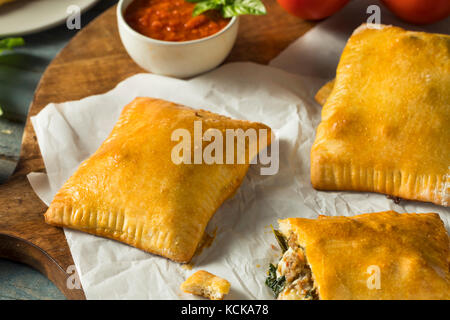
[312,9]
[419,11]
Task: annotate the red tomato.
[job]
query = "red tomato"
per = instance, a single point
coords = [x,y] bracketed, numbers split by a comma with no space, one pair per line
[312,9]
[419,11]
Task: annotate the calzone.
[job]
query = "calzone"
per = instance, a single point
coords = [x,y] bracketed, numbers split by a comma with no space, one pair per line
[384,255]
[386,122]
[135,189]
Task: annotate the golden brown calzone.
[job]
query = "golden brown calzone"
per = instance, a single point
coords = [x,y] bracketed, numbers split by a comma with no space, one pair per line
[386,123]
[383,255]
[131,190]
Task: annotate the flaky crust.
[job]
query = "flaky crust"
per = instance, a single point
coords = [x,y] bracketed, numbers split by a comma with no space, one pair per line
[130,190]
[386,124]
[205,284]
[324,92]
[411,251]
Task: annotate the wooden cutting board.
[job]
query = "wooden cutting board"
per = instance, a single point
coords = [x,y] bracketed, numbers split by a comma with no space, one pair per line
[94,62]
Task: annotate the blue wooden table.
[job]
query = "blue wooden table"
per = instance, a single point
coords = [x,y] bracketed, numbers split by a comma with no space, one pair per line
[20,72]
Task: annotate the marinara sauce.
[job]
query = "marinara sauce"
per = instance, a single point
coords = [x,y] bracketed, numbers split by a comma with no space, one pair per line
[172,20]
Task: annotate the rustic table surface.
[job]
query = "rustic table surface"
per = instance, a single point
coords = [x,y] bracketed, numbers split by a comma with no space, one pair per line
[19,75]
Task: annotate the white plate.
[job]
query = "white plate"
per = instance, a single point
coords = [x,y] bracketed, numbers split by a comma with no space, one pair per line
[23,17]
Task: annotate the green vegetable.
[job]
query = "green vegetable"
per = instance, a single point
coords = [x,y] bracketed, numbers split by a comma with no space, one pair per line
[204,6]
[9,43]
[230,8]
[280,239]
[274,283]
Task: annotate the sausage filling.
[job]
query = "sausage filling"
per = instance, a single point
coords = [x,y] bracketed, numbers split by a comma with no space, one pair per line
[297,272]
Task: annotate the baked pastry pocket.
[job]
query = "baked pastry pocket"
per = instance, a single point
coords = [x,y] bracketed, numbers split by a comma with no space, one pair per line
[383,255]
[386,118]
[134,188]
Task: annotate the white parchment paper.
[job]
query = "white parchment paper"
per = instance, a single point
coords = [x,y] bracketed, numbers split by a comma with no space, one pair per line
[69,132]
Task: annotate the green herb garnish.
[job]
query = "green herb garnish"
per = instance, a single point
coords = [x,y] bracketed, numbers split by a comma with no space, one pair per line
[9,43]
[229,8]
[280,239]
[274,283]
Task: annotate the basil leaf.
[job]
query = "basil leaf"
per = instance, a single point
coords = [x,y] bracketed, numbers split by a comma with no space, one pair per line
[218,2]
[229,8]
[241,7]
[204,6]
[9,43]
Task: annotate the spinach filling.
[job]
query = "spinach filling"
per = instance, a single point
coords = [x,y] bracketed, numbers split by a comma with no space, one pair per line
[274,283]
[281,240]
[297,277]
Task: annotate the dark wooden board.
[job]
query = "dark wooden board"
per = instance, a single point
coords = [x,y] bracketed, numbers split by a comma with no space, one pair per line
[94,62]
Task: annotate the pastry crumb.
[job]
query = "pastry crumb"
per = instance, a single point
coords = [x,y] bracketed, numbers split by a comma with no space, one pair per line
[187,266]
[205,284]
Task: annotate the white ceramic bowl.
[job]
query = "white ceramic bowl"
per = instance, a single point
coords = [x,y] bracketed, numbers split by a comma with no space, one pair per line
[177,59]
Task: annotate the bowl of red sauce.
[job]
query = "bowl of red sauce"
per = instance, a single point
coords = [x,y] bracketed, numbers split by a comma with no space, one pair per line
[163,37]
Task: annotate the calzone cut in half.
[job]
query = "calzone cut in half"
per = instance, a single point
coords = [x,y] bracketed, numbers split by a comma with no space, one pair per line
[135,190]
[384,255]
[386,122]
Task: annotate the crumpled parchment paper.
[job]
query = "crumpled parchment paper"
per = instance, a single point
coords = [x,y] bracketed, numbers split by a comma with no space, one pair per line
[242,249]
